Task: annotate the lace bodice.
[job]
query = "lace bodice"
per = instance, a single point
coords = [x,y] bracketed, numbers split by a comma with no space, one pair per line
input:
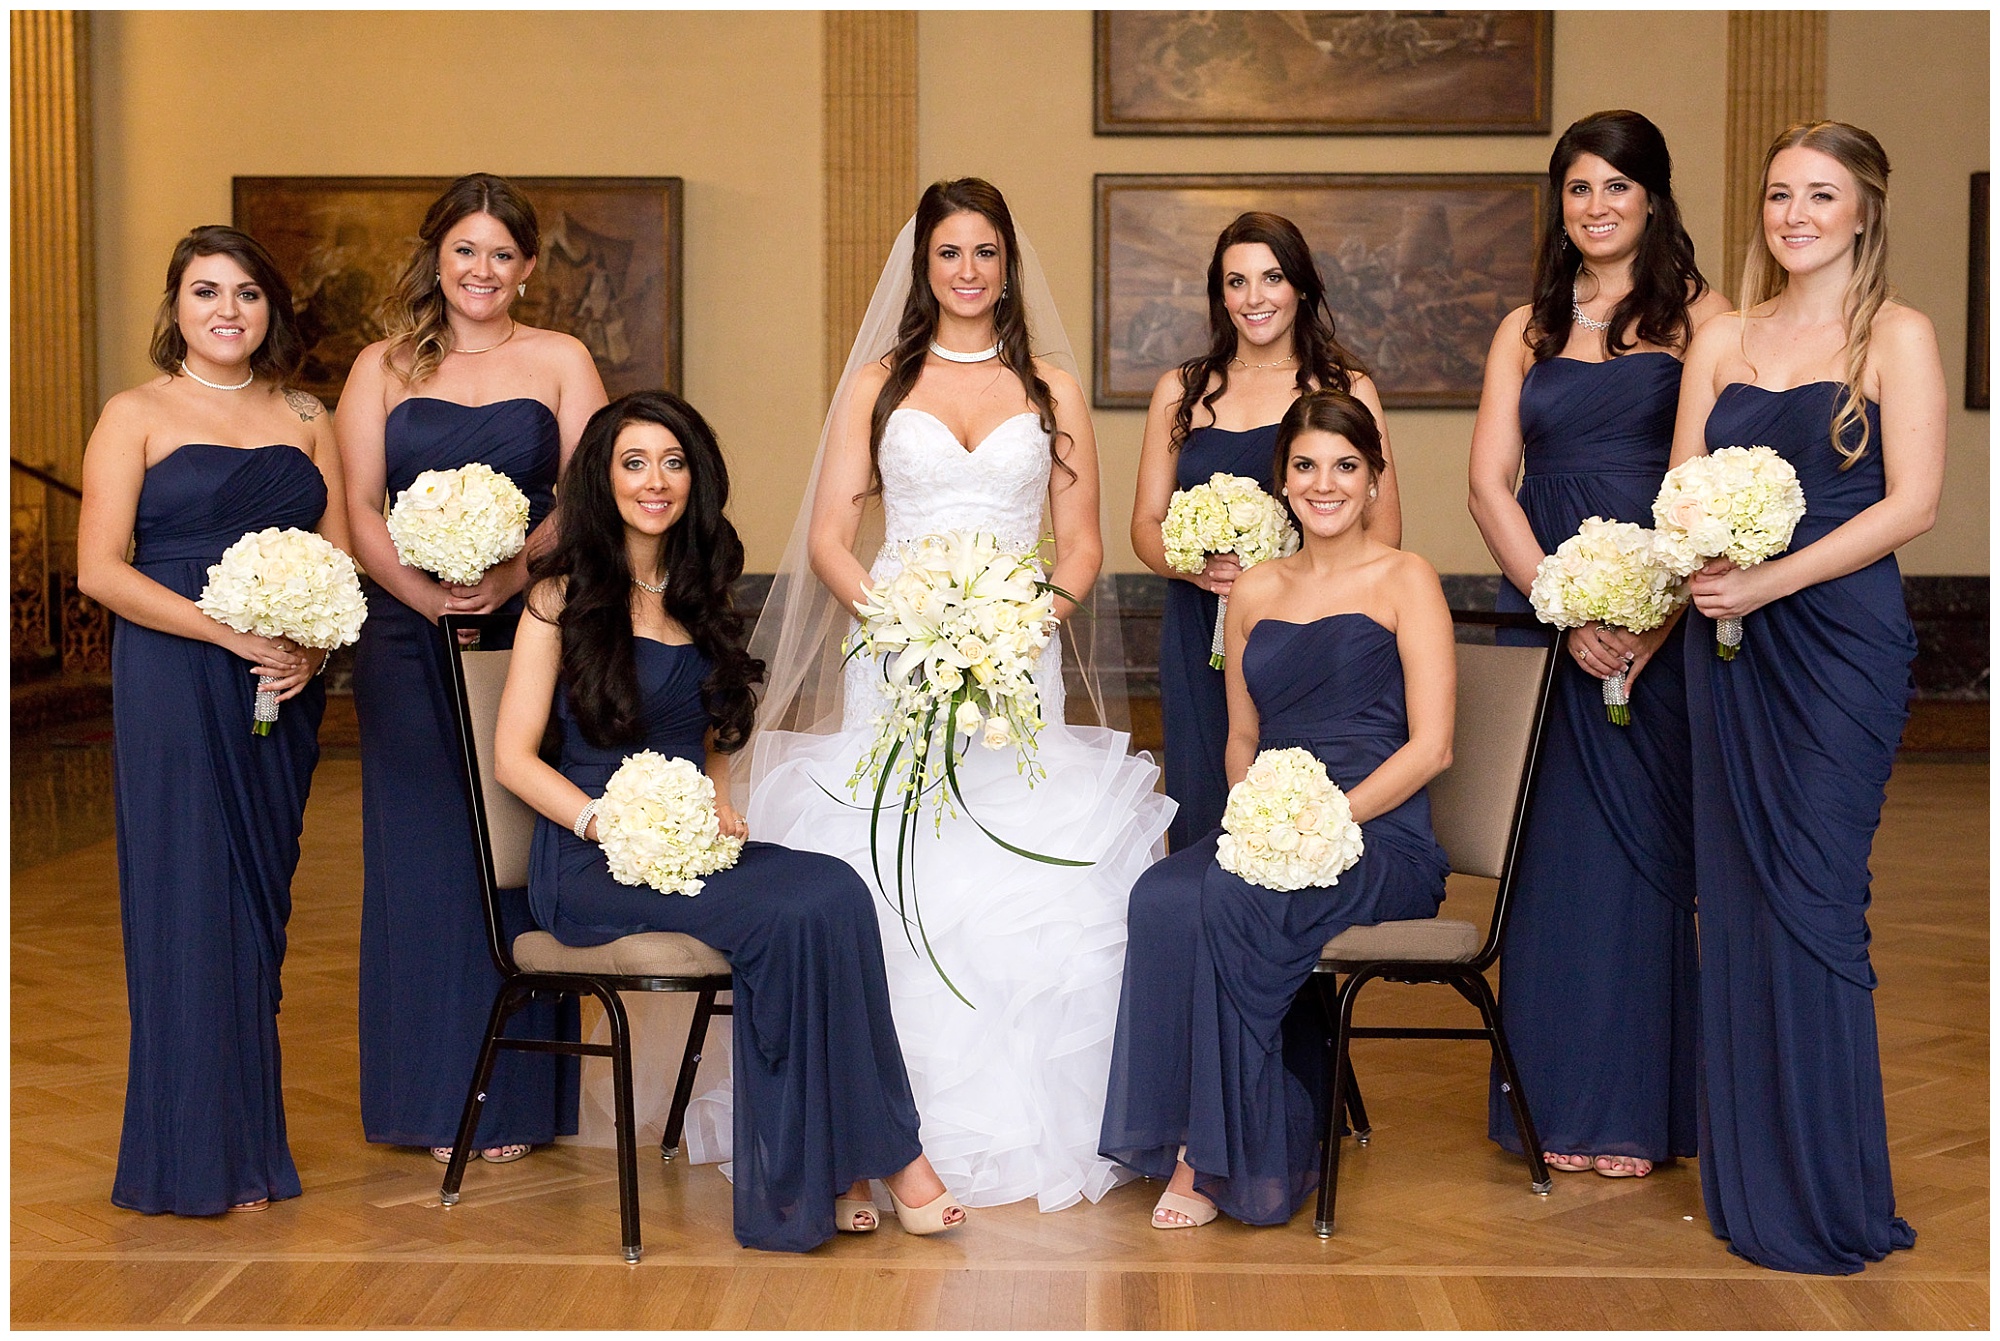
[930,483]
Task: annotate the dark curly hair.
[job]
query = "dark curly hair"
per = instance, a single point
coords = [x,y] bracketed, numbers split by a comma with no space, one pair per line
[703,557]
[1323,360]
[283,349]
[1665,279]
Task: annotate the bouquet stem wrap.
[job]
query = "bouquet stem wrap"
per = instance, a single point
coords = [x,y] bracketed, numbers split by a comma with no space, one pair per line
[1728,636]
[1215,644]
[264,708]
[1617,703]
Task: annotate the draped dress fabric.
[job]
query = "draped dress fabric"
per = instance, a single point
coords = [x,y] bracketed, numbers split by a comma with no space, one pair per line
[427,977]
[1211,1052]
[1599,968]
[1194,714]
[1011,1088]
[824,1096]
[208,819]
[1793,742]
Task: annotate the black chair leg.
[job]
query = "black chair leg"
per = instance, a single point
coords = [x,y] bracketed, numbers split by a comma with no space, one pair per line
[1357,1114]
[505,1003]
[1340,1011]
[704,1010]
[1474,989]
[621,1106]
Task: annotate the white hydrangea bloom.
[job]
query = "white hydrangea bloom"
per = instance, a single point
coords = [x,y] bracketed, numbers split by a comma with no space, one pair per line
[656,822]
[1611,572]
[286,583]
[459,523]
[1740,503]
[1286,826]
[1228,515]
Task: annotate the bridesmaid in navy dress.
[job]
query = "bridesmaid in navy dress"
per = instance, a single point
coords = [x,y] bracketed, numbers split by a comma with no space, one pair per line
[1793,740]
[1271,339]
[458,381]
[1344,649]
[208,814]
[1598,970]
[632,635]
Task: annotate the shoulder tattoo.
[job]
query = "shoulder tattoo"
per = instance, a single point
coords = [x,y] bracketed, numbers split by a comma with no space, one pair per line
[305,405]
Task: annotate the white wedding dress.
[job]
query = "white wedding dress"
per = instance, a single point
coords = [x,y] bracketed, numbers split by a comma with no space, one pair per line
[1011,1089]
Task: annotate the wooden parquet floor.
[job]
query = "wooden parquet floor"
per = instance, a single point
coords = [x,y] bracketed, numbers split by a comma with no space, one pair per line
[1437,1227]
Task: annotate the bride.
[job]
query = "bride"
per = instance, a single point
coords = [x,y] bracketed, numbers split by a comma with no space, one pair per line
[944,414]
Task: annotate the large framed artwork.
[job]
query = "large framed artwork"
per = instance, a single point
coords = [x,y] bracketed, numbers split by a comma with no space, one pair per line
[1419,270]
[609,272]
[1324,72]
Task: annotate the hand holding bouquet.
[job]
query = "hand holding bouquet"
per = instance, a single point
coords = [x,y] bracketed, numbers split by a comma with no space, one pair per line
[459,523]
[1228,515]
[1286,825]
[285,583]
[656,822]
[1738,503]
[1611,572]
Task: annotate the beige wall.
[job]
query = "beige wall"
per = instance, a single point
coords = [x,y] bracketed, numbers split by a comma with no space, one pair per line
[731,103]
[728,102]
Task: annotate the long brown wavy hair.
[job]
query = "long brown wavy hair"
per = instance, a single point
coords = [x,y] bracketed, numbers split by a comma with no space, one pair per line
[414,313]
[940,201]
[1867,288]
[1323,360]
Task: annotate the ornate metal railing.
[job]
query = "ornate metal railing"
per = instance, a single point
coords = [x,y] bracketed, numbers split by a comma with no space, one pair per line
[52,625]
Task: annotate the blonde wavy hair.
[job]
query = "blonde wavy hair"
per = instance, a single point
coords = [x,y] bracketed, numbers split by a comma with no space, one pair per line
[1867,288]
[414,312]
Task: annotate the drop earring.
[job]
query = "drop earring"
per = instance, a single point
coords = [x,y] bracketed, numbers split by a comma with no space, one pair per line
[522,288]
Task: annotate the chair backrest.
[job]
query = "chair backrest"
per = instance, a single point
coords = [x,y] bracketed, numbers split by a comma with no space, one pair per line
[503,827]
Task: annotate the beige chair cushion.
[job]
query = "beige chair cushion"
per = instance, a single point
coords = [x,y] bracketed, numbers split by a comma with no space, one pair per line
[1472,802]
[1435,940]
[648,954]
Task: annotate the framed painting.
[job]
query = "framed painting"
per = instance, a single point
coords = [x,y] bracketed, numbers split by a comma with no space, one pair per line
[609,272]
[1419,270]
[1978,332]
[1324,72]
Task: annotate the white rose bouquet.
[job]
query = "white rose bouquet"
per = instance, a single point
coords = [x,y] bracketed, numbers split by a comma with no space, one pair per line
[1611,572]
[656,822]
[285,583]
[958,633]
[1739,503]
[1228,515]
[1286,826]
[459,523]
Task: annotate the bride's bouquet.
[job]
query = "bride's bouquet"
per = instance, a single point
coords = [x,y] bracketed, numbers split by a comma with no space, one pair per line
[1739,503]
[1611,572]
[1228,515]
[656,823]
[1286,826]
[459,523]
[958,633]
[285,583]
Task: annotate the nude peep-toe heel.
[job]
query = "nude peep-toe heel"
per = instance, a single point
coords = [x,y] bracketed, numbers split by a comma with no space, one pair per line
[928,1218]
[848,1213]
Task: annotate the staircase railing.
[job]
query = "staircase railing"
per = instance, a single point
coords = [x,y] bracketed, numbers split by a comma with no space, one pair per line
[52,625]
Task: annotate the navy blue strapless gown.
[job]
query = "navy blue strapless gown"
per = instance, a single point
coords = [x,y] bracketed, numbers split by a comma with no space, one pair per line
[823,1098]
[1208,1052]
[1193,713]
[1793,741]
[1599,967]
[208,838]
[427,978]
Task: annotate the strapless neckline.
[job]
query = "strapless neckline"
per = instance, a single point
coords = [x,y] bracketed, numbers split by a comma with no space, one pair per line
[1323,619]
[461,405]
[225,447]
[991,433]
[1786,391]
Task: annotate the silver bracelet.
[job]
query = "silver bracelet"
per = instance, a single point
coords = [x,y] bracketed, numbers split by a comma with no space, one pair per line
[583,818]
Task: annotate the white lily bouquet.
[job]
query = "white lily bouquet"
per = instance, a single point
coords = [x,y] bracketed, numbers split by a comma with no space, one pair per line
[958,633]
[656,823]
[1739,503]
[1286,826]
[459,523]
[1229,515]
[285,583]
[1611,572]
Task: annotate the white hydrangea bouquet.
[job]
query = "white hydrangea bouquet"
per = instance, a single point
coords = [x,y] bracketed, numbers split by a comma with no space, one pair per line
[1228,515]
[1611,572]
[1286,826]
[1739,503]
[656,823]
[958,634]
[459,523]
[282,582]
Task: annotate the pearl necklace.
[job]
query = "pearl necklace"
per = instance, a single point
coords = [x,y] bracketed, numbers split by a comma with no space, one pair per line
[659,590]
[495,345]
[216,386]
[1576,315]
[960,356]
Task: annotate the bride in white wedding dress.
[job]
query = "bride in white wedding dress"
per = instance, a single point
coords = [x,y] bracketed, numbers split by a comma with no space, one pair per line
[945,416]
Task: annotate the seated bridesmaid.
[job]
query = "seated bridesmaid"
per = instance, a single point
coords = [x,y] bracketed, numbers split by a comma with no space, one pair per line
[1344,649]
[632,620]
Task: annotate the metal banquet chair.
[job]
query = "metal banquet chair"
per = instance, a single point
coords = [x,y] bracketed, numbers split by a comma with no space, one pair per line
[1478,809]
[536,963]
